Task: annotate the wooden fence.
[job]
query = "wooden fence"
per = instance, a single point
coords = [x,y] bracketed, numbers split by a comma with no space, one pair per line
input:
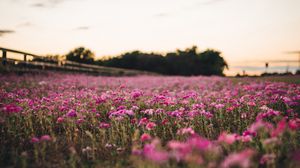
[65,65]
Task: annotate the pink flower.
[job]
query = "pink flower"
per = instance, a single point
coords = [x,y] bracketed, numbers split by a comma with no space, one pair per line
[60,120]
[34,140]
[267,158]
[251,104]
[184,131]
[137,152]
[145,137]
[245,138]
[151,152]
[12,108]
[150,125]
[219,106]
[143,121]
[179,150]
[79,121]
[241,159]
[45,138]
[294,124]
[136,93]
[256,126]
[72,113]
[281,125]
[133,121]
[104,125]
[200,143]
[227,138]
[273,140]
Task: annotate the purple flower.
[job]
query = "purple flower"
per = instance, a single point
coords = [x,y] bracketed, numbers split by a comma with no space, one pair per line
[72,113]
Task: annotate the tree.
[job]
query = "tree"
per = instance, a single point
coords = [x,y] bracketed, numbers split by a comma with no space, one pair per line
[212,63]
[181,62]
[81,55]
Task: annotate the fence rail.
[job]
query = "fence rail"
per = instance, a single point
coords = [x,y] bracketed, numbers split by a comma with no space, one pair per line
[46,63]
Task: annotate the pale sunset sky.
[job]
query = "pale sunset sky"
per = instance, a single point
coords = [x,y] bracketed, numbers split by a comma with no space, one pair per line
[247,32]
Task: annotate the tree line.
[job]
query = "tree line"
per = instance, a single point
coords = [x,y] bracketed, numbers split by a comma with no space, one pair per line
[186,62]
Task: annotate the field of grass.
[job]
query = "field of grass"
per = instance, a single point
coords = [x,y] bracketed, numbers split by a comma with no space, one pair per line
[68,120]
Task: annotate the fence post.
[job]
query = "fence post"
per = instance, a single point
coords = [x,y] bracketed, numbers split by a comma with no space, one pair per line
[25,57]
[4,58]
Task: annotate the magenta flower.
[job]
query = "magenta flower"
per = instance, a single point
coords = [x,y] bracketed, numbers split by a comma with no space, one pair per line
[267,158]
[241,159]
[294,124]
[79,121]
[179,150]
[151,152]
[143,121]
[150,125]
[145,137]
[104,125]
[34,140]
[60,120]
[281,125]
[137,152]
[72,113]
[45,138]
[186,131]
[12,108]
[227,138]
[219,106]
[200,143]
[136,94]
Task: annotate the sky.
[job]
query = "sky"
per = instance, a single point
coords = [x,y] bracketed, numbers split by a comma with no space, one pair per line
[247,32]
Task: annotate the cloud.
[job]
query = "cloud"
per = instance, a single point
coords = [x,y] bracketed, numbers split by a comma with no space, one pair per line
[39,5]
[210,2]
[25,24]
[46,3]
[4,32]
[82,28]
[161,15]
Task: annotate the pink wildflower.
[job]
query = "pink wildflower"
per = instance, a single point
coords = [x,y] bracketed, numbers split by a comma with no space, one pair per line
[34,140]
[143,121]
[151,152]
[72,113]
[281,125]
[241,159]
[12,108]
[104,125]
[227,138]
[294,124]
[150,125]
[145,137]
[186,131]
[267,158]
[79,121]
[179,150]
[45,138]
[60,120]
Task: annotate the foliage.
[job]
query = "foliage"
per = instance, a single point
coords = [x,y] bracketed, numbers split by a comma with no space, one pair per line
[81,55]
[188,62]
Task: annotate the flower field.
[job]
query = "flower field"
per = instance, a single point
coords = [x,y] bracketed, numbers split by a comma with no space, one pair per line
[60,120]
